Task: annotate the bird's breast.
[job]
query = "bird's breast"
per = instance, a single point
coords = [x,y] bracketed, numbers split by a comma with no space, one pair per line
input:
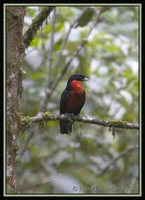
[77,87]
[74,102]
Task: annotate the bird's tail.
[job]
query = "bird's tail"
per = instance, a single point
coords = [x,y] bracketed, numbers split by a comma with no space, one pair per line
[65,127]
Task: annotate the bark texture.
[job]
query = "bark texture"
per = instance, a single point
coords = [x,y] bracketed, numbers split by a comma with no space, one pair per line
[14,47]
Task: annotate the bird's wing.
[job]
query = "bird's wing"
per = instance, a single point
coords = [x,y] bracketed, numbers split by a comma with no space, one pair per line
[82,103]
[63,101]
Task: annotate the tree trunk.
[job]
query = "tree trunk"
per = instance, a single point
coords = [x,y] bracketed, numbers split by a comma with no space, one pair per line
[15,21]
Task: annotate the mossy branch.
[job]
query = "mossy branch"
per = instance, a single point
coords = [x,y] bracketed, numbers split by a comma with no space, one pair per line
[47,116]
[36,23]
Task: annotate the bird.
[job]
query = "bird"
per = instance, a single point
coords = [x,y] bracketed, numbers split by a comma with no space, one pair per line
[72,100]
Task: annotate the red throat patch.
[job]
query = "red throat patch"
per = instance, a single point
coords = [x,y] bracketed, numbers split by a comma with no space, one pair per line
[77,87]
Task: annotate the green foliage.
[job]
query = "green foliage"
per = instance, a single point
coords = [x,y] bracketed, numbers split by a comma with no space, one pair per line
[55,163]
[35,42]
[85,18]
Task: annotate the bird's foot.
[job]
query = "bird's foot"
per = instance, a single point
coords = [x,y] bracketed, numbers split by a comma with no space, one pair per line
[70,117]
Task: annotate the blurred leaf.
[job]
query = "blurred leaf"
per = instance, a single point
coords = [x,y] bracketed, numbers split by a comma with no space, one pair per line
[31,11]
[85,18]
[35,42]
[51,123]
[37,75]
[47,29]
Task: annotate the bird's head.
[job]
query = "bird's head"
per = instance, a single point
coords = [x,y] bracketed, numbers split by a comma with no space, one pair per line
[77,77]
[75,80]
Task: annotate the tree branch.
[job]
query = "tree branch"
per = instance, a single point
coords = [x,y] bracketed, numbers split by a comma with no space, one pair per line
[66,40]
[36,23]
[40,117]
[124,153]
[51,52]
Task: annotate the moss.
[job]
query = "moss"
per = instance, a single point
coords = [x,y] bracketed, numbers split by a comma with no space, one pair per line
[49,115]
[23,120]
[117,123]
[46,117]
[70,117]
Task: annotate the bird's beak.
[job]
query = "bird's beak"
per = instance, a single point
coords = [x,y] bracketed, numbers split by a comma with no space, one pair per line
[85,79]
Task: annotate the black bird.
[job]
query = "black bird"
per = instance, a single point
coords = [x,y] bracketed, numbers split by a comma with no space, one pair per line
[72,100]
